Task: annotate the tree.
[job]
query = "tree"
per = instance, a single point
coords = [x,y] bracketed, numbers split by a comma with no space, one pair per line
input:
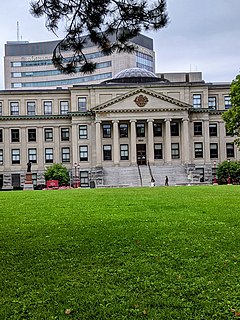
[109,24]
[57,172]
[232,116]
[228,169]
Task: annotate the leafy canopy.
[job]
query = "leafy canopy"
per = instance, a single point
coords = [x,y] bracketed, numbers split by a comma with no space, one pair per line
[229,169]
[57,172]
[232,116]
[110,25]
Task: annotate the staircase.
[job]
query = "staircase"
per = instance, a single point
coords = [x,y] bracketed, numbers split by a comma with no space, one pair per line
[130,176]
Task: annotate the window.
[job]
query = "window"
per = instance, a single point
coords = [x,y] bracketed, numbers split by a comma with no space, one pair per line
[230,150]
[227,102]
[83,152]
[175,151]
[82,104]
[157,129]
[48,133]
[200,171]
[47,105]
[1,135]
[83,132]
[31,108]
[84,179]
[213,129]
[64,107]
[49,155]
[32,136]
[213,150]
[212,103]
[140,130]
[197,101]
[158,151]
[15,156]
[1,108]
[65,134]
[14,108]
[197,128]
[106,130]
[124,152]
[1,156]
[107,152]
[66,154]
[174,129]
[198,148]
[15,137]
[32,155]
[123,130]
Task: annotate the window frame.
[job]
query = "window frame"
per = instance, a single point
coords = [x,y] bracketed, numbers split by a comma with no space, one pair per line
[197,100]
[31,104]
[48,134]
[82,104]
[65,152]
[107,152]
[32,157]
[48,155]
[32,136]
[140,130]
[123,130]
[107,130]
[175,128]
[124,152]
[48,107]
[14,108]
[157,129]
[213,155]
[83,153]
[83,131]
[15,135]
[15,157]
[198,150]
[158,152]
[65,134]
[230,152]
[64,107]
[196,131]
[213,132]
[175,155]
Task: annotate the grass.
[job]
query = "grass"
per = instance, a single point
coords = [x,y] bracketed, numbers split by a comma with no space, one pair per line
[144,253]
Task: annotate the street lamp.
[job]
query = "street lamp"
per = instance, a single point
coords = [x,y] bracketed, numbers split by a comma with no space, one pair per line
[229,179]
[76,178]
[214,177]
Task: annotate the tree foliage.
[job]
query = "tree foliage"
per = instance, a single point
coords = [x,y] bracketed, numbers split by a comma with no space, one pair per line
[110,25]
[57,172]
[229,169]
[232,116]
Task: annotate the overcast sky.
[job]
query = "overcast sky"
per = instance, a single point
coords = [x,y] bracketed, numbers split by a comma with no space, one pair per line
[201,36]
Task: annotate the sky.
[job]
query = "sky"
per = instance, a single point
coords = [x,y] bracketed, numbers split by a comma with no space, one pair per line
[201,36]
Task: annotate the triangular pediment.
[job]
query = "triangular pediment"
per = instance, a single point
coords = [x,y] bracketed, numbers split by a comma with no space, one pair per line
[142,99]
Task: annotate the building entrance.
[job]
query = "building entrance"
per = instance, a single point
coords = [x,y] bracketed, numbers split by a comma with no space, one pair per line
[141,154]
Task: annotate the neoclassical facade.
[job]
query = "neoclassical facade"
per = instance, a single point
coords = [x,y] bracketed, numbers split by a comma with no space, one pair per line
[125,131]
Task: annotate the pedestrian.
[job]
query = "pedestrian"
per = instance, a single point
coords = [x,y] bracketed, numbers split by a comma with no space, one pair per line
[166,180]
[152,182]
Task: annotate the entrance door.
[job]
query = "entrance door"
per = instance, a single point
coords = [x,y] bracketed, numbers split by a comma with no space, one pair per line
[16,180]
[141,154]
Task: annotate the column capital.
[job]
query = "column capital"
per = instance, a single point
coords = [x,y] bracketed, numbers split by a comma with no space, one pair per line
[167,120]
[185,119]
[132,121]
[98,121]
[115,121]
[150,120]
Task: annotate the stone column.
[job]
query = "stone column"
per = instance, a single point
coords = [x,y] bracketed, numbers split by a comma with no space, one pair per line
[116,146]
[133,142]
[75,148]
[185,141]
[206,142]
[150,141]
[98,144]
[222,142]
[167,142]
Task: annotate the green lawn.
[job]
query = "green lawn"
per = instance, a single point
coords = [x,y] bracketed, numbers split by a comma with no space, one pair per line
[137,253]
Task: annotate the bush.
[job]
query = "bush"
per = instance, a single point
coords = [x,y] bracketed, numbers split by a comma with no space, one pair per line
[57,172]
[228,169]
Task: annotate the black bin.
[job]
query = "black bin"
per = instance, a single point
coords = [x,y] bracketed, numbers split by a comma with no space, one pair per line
[92,184]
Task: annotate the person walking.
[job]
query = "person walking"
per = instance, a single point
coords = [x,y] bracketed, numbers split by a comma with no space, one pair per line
[166,181]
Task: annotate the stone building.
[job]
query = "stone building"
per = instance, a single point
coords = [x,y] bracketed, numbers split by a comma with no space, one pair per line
[125,131]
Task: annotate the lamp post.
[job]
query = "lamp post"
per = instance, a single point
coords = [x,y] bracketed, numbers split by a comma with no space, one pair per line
[76,178]
[214,177]
[229,179]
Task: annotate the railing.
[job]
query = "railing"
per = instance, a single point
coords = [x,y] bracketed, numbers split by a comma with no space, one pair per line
[140,175]
[150,172]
